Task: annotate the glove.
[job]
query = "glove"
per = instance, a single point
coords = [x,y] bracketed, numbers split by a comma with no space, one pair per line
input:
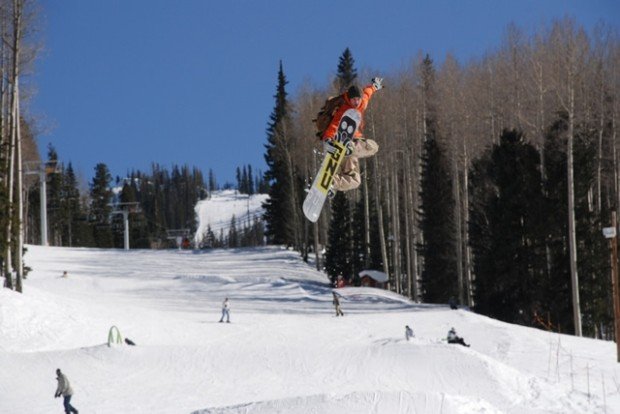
[377,83]
[331,148]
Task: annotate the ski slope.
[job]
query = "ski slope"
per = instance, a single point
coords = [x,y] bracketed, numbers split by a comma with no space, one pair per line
[217,211]
[284,352]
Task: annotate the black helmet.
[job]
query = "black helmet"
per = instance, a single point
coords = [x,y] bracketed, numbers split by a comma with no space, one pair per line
[354,92]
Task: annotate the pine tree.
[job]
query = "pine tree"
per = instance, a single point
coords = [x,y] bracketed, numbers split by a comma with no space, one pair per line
[78,231]
[338,257]
[346,74]
[240,186]
[281,210]
[250,181]
[212,182]
[233,234]
[101,198]
[438,278]
[508,231]
[56,216]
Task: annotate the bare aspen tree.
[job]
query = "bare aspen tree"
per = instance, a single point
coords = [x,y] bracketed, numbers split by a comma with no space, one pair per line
[449,82]
[409,148]
[366,197]
[396,223]
[378,206]
[509,68]
[17,17]
[12,131]
[603,40]
[570,44]
[613,79]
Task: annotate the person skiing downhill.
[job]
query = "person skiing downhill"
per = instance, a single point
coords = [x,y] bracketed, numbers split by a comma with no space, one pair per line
[348,178]
[64,389]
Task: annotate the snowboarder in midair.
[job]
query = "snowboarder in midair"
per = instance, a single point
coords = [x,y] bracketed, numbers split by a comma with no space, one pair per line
[225,311]
[348,178]
[64,389]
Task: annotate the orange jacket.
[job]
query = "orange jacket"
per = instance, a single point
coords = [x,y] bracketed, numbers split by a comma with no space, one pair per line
[331,130]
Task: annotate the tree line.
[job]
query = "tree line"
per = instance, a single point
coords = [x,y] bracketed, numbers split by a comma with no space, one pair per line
[492,184]
[161,205]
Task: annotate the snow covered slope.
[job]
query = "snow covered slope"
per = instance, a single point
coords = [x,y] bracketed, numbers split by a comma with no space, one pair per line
[218,210]
[284,352]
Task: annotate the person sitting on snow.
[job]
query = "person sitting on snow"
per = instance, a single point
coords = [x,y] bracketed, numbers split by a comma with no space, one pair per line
[453,338]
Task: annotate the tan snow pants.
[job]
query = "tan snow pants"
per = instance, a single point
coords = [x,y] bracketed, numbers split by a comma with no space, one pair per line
[349,178]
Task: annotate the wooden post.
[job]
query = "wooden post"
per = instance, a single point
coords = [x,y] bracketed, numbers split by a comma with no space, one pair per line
[610,234]
[614,278]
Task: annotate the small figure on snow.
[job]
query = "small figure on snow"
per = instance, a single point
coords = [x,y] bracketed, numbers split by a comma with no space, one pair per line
[408,332]
[64,389]
[65,274]
[336,303]
[453,304]
[225,311]
[348,178]
[453,338]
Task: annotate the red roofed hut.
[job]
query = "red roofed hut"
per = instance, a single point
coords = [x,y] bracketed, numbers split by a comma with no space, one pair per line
[373,278]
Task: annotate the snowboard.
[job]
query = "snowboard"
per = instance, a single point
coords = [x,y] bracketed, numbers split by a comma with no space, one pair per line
[317,194]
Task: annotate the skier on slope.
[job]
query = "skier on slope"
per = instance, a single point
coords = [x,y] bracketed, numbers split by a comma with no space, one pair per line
[348,178]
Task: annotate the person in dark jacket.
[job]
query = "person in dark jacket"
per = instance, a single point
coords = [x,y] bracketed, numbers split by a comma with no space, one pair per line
[64,389]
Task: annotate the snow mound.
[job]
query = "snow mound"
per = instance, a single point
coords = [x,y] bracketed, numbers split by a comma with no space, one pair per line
[363,402]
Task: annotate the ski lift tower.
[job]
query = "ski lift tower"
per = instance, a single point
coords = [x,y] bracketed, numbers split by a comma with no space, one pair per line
[125,209]
[42,168]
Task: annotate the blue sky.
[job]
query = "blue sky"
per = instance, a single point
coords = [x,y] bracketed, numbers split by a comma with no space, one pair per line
[131,82]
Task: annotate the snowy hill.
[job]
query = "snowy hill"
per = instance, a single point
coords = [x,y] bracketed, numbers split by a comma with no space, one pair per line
[217,211]
[284,352]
